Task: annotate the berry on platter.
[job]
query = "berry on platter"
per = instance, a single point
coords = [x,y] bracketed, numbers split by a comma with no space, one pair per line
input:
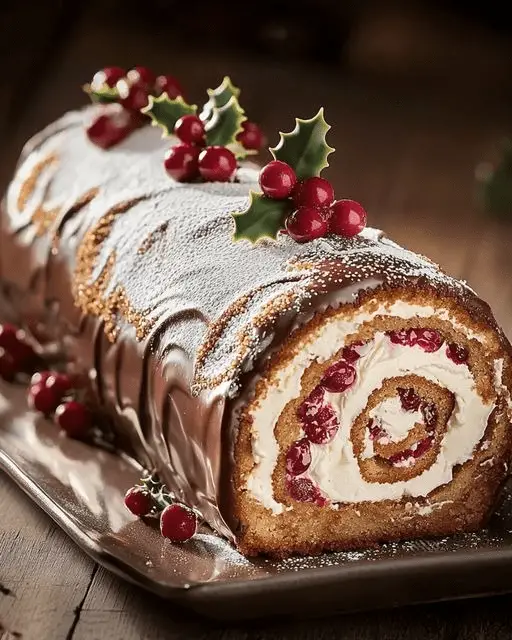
[8,369]
[178,523]
[43,399]
[13,341]
[73,418]
[138,500]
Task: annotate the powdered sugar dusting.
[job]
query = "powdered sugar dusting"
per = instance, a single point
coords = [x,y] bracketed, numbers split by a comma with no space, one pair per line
[178,240]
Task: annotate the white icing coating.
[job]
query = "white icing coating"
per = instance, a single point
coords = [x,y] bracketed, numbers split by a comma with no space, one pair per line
[334,466]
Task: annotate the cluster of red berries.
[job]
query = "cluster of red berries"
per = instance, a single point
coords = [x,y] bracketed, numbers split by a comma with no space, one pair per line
[54,393]
[178,523]
[191,158]
[316,213]
[16,354]
[133,88]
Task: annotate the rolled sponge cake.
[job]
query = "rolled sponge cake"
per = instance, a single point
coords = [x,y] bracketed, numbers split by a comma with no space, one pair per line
[302,397]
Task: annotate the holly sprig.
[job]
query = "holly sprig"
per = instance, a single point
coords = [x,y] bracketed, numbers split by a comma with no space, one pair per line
[305,151]
[161,497]
[305,148]
[263,218]
[222,115]
[165,112]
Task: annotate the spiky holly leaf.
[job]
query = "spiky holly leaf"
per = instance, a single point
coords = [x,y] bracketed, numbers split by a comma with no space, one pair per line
[496,184]
[164,112]
[225,124]
[103,94]
[263,218]
[219,97]
[240,151]
[305,148]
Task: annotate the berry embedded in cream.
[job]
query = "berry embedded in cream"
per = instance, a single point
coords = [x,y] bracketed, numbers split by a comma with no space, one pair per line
[295,379]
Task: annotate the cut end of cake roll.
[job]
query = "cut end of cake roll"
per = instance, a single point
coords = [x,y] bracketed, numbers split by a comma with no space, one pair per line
[384,418]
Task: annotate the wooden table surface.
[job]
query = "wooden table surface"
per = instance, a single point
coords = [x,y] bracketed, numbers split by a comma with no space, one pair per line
[408,153]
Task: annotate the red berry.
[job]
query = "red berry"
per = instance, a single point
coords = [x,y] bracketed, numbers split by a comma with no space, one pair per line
[322,427]
[277,180]
[457,353]
[405,337]
[298,457]
[409,399]
[178,523]
[139,501]
[190,129]
[428,340]
[9,336]
[142,76]
[313,192]
[43,399]
[306,224]
[168,85]
[60,383]
[109,76]
[8,369]
[348,218]
[376,431]
[74,418]
[13,341]
[422,447]
[339,377]
[430,415]
[217,164]
[181,162]
[312,404]
[40,377]
[110,129]
[251,137]
[303,490]
[351,352]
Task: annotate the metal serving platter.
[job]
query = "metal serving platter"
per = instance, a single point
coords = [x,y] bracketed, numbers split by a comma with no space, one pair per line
[81,487]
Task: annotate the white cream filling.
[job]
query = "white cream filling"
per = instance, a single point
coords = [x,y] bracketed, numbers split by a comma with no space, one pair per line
[334,466]
[396,422]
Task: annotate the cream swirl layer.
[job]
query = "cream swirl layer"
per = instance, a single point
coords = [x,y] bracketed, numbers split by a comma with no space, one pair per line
[334,467]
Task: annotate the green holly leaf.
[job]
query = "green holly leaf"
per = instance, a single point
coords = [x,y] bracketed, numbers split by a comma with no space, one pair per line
[103,95]
[263,218]
[219,97]
[240,151]
[305,148]
[225,124]
[164,112]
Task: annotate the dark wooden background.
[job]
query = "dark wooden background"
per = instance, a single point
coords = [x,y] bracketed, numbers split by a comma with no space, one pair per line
[417,96]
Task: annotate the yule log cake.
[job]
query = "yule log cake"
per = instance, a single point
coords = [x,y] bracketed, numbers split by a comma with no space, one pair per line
[269,360]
